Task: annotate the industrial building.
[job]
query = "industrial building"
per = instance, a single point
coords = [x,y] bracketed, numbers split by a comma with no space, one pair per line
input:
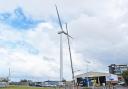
[117,69]
[3,82]
[88,79]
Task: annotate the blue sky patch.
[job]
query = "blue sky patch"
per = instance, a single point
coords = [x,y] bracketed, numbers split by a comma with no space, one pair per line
[21,45]
[18,19]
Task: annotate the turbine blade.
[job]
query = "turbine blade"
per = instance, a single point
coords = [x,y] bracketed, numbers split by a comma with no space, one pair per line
[59,18]
[70,54]
[67,31]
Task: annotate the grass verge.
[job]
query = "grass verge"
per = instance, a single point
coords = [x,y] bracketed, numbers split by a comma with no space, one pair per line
[26,87]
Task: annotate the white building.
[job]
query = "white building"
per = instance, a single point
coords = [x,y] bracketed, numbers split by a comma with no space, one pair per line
[3,82]
[98,76]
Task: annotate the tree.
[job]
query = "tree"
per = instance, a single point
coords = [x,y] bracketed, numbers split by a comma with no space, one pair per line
[24,80]
[125,76]
[64,80]
[79,80]
[4,80]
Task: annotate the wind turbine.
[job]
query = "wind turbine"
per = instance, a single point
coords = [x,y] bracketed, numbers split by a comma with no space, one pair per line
[61,47]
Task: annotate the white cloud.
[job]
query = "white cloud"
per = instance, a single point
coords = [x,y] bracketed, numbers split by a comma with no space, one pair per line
[99,30]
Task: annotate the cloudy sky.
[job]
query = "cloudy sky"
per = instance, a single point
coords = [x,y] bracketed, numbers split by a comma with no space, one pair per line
[29,43]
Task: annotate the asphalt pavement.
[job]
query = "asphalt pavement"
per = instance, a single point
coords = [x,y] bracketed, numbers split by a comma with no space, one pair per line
[115,87]
[121,87]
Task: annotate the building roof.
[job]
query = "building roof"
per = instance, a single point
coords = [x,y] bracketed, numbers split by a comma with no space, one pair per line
[118,65]
[92,74]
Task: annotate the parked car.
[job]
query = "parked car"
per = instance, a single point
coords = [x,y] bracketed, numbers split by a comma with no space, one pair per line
[121,83]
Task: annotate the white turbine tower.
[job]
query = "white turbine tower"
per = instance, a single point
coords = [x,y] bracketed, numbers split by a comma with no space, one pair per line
[61,46]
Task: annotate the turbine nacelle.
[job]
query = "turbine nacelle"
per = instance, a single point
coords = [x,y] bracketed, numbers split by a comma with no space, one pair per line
[60,32]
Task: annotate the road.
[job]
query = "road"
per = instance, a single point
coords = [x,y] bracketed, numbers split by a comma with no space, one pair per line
[121,87]
[116,87]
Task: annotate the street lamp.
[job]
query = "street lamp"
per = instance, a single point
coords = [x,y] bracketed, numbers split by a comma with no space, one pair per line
[88,62]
